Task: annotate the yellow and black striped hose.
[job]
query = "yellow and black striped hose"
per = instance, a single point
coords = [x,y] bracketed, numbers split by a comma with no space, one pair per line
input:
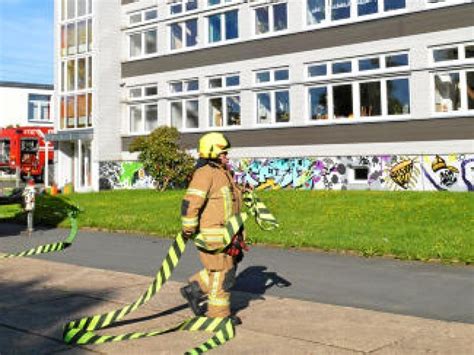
[52,247]
[81,331]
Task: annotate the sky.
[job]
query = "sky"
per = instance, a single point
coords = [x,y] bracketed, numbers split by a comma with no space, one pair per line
[26,41]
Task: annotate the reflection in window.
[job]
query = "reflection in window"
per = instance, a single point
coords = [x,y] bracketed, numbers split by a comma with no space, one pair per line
[215,28]
[81,73]
[71,84]
[369,64]
[396,60]
[136,123]
[216,112]
[264,113]
[262,20]
[150,42]
[187,111]
[233,80]
[177,114]
[341,67]
[282,74]
[342,101]
[71,38]
[81,111]
[367,7]
[315,11]
[318,103]
[447,92]
[135,44]
[233,110]
[176,36]
[282,103]
[394,5]
[151,117]
[398,97]
[82,36]
[192,113]
[263,77]
[340,9]
[215,83]
[280,17]
[231,25]
[469,51]
[370,104]
[441,55]
[178,30]
[70,112]
[470,89]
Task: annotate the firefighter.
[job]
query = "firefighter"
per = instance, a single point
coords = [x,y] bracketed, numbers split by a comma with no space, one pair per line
[210,200]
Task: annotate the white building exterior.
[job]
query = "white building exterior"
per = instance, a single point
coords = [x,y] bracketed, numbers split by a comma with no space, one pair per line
[378,90]
[25,104]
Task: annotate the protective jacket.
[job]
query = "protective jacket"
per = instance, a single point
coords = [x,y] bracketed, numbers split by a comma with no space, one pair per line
[211,199]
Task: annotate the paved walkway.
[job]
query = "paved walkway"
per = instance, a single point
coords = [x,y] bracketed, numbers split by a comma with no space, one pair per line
[37,297]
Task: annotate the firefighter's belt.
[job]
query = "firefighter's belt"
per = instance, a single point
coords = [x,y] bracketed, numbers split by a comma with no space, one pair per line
[81,331]
[52,247]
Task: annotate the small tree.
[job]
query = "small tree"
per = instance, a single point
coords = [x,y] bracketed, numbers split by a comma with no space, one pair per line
[162,157]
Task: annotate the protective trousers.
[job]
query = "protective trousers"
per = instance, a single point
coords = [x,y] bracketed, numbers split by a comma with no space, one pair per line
[216,280]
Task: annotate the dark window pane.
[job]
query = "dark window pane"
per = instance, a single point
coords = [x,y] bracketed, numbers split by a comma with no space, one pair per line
[340,9]
[441,55]
[370,104]
[151,91]
[470,90]
[280,17]
[317,70]
[369,64]
[396,60]
[191,5]
[282,74]
[232,24]
[341,67]
[262,22]
[367,7]
[191,33]
[394,4]
[318,103]
[361,173]
[342,98]
[215,34]
[316,11]
[398,97]
[470,51]
[233,80]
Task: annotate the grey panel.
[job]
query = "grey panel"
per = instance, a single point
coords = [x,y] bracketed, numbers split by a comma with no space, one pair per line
[397,26]
[380,132]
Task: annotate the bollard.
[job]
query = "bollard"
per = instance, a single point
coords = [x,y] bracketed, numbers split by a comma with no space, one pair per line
[29,203]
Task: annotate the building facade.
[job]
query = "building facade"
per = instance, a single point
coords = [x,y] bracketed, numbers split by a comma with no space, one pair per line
[313,94]
[25,104]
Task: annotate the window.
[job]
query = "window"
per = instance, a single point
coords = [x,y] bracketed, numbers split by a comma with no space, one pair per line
[447,92]
[341,67]
[396,60]
[224,111]
[361,173]
[223,27]
[273,106]
[469,51]
[184,34]
[143,43]
[143,118]
[185,113]
[271,18]
[142,16]
[390,5]
[226,81]
[76,111]
[340,9]
[219,2]
[315,11]
[318,103]
[180,6]
[316,70]
[342,101]
[4,150]
[367,7]
[398,97]
[184,86]
[272,75]
[470,89]
[76,74]
[370,103]
[140,92]
[369,64]
[38,107]
[441,55]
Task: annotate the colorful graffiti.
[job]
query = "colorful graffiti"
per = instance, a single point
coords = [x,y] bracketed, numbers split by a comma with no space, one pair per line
[382,172]
[124,175]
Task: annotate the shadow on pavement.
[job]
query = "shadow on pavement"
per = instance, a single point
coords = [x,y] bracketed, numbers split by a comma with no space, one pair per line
[252,283]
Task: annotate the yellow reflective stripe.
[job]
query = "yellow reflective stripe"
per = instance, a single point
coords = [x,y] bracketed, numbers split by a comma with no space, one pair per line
[222,302]
[196,192]
[213,238]
[227,202]
[213,231]
[215,284]
[189,221]
[204,277]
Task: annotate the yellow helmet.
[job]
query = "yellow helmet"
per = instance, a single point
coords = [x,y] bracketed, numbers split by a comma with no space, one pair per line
[212,144]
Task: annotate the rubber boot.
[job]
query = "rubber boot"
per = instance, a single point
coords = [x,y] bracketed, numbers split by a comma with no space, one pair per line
[192,293]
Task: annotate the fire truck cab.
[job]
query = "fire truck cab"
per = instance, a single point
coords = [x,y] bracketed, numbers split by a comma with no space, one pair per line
[25,148]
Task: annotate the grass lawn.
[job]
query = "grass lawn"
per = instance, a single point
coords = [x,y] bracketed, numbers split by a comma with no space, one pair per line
[407,225]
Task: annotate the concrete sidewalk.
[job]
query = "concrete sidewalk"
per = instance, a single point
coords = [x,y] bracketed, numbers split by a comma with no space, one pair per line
[37,297]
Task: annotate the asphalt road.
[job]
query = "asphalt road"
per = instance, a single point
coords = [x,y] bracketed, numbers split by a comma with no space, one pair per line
[412,288]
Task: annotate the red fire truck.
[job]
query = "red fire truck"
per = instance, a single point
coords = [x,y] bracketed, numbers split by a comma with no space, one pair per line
[24,148]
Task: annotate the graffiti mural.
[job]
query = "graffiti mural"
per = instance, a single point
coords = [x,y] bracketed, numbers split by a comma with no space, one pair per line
[381,172]
[124,175]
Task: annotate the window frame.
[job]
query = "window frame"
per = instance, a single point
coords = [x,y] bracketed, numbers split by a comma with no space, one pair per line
[142,14]
[142,32]
[272,72]
[464,108]
[273,113]
[39,105]
[271,19]
[182,23]
[224,85]
[225,113]
[184,84]
[223,30]
[183,101]
[143,120]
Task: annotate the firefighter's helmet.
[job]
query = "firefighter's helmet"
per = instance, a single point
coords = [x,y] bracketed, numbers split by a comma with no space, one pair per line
[212,144]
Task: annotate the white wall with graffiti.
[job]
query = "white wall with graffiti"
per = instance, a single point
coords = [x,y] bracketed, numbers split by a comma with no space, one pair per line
[383,172]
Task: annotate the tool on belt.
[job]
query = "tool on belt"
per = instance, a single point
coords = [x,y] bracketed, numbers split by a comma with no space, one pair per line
[81,331]
[52,247]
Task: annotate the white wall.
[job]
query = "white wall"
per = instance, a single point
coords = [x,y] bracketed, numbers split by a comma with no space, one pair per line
[14,106]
